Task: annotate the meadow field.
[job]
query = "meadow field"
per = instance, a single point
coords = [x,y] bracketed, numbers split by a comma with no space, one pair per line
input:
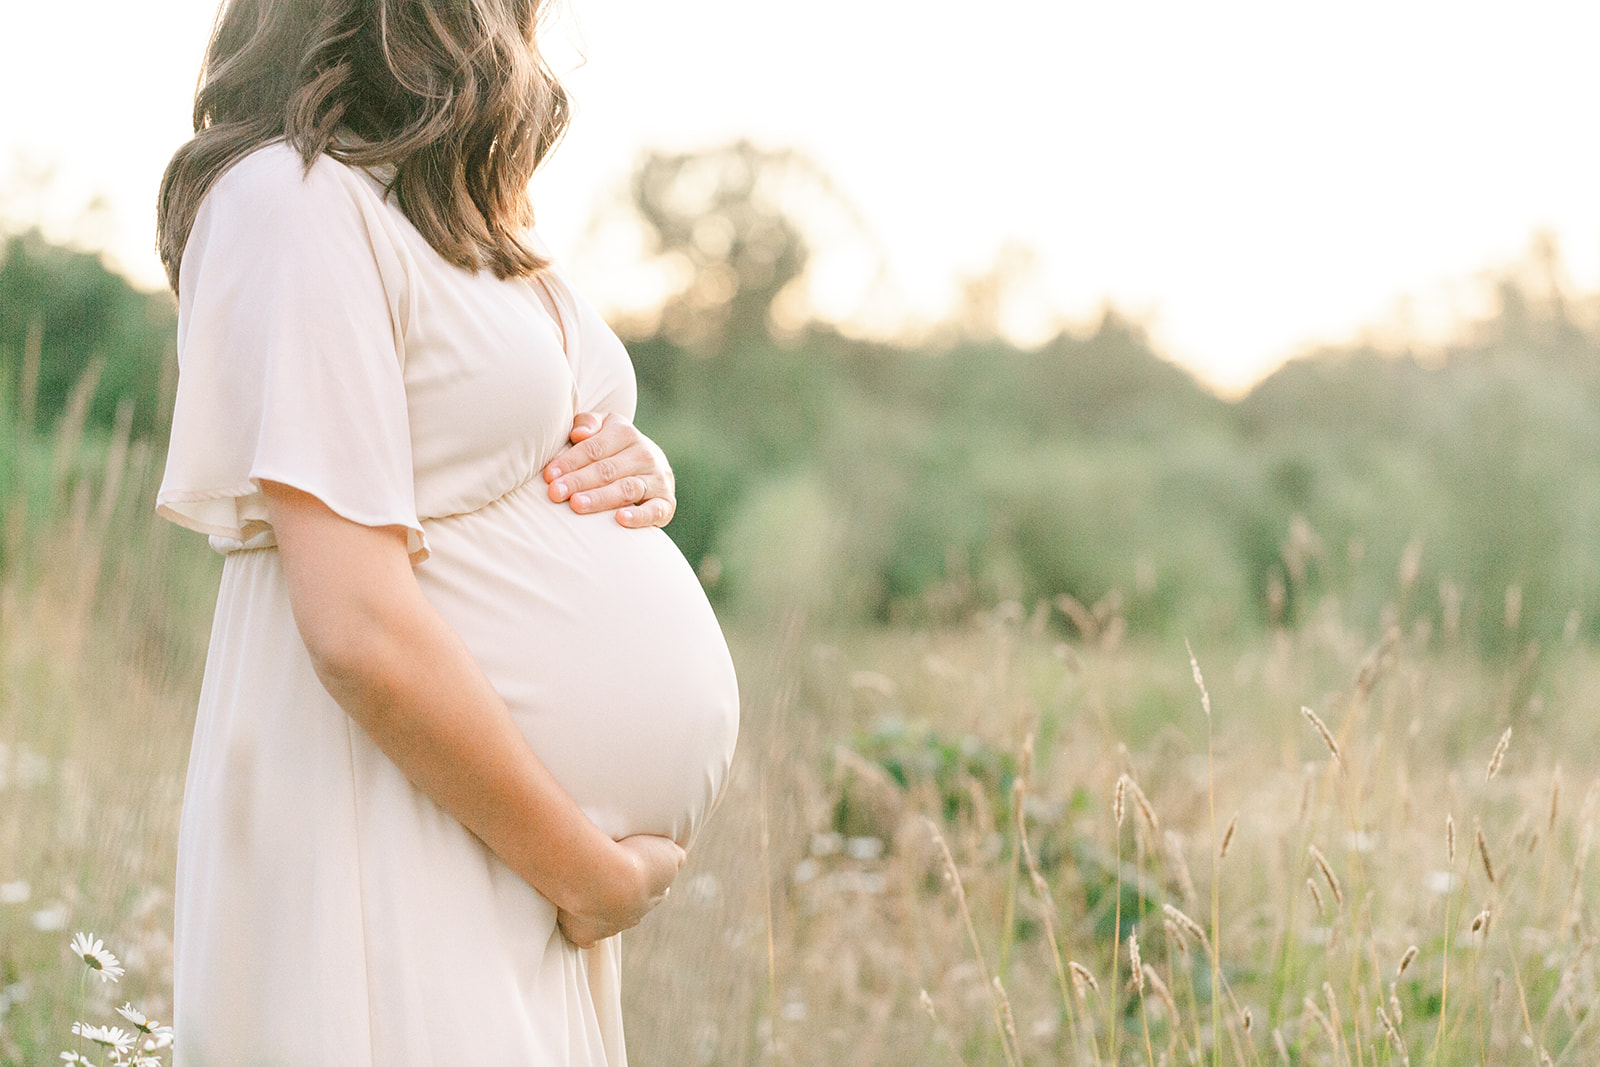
[1018,833]
[1088,717]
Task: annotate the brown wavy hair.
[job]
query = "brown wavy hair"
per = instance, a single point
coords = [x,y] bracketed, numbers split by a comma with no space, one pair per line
[453,95]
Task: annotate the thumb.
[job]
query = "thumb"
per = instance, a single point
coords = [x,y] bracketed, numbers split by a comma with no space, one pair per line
[585,425]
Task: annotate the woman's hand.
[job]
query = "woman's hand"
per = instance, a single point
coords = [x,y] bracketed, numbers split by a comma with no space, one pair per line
[407,679]
[653,863]
[612,466]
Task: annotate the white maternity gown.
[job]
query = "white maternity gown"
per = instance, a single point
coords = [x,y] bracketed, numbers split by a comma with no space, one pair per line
[327,911]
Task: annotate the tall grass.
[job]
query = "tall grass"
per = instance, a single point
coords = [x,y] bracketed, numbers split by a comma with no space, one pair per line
[925,854]
[1335,870]
[103,620]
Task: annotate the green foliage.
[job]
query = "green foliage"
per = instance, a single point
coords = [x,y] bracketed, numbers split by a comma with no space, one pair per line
[962,771]
[64,315]
[865,482]
[1091,467]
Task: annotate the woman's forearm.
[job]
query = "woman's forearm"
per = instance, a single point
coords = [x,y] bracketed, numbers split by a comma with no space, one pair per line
[401,672]
[416,690]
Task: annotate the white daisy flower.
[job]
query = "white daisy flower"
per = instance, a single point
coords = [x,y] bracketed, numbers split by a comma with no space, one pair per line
[75,1057]
[160,1038]
[144,1061]
[112,1037]
[94,954]
[141,1022]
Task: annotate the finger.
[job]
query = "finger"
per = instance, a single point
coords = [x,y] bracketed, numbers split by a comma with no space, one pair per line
[632,489]
[657,511]
[638,462]
[613,438]
[634,461]
[586,424]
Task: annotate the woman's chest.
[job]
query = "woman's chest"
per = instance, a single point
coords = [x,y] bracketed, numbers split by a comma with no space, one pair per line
[490,391]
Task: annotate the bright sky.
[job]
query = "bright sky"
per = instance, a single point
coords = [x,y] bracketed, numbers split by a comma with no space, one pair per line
[1247,177]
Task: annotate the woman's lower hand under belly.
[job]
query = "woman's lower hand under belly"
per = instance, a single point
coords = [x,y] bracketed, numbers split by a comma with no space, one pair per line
[615,908]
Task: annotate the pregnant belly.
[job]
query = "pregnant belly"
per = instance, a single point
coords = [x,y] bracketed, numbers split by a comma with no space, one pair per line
[602,644]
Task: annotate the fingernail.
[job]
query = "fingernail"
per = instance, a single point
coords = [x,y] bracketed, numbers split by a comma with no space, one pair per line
[555,472]
[581,500]
[626,514]
[560,488]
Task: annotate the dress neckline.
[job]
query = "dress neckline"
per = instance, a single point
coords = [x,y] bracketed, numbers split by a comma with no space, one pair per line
[551,304]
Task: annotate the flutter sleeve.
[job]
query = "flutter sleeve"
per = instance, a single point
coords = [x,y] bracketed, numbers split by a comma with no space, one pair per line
[292,301]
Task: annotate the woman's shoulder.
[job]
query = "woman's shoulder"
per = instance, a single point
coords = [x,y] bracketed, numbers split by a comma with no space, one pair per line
[271,219]
[275,177]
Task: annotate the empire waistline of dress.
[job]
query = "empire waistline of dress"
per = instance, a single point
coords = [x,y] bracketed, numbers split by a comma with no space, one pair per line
[266,538]
[536,478]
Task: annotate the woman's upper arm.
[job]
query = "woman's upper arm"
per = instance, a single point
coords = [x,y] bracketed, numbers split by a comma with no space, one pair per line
[348,583]
[291,355]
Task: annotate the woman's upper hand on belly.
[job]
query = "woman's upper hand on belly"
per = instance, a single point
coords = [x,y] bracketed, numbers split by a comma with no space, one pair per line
[393,663]
[656,861]
[610,466]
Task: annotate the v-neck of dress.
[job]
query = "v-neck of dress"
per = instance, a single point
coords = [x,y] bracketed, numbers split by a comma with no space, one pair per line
[552,306]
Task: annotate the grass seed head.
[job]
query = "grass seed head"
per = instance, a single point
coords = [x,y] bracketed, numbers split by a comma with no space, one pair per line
[1199,679]
[1555,798]
[951,873]
[1480,921]
[1083,980]
[1405,961]
[1186,924]
[1175,935]
[1227,836]
[1483,854]
[1393,1031]
[1499,755]
[1162,992]
[1379,659]
[1007,1019]
[1117,798]
[1333,1003]
[1135,962]
[1327,873]
[1142,802]
[1323,732]
[1450,838]
[1322,1020]
[1316,895]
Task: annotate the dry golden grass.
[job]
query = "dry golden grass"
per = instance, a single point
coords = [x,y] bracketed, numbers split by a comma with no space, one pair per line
[1404,948]
[864,895]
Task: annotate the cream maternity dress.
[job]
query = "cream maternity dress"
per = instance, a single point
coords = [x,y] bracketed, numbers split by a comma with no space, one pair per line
[328,912]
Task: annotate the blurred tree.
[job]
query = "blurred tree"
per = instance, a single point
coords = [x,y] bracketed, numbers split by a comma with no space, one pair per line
[62,312]
[985,297]
[730,219]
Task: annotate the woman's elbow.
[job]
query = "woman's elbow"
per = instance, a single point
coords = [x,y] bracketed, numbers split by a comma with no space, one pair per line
[355,658]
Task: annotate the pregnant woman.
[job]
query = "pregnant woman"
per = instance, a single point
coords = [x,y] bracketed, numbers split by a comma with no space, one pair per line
[459,720]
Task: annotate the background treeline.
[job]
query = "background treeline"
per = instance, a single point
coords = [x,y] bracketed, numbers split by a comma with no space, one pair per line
[866,482]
